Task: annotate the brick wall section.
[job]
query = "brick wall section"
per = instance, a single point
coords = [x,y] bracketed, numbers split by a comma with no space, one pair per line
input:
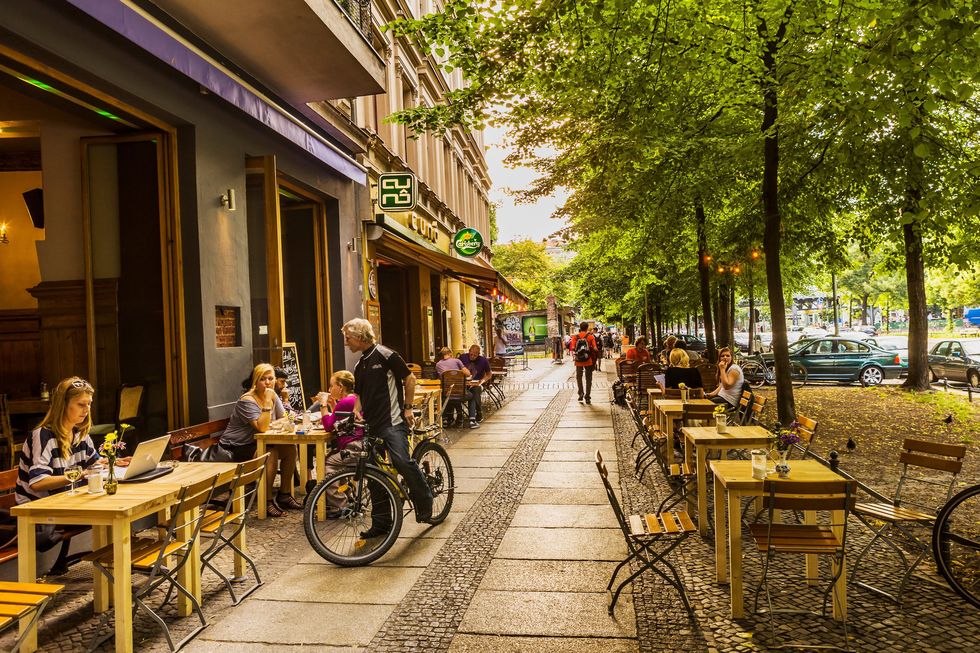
[227,326]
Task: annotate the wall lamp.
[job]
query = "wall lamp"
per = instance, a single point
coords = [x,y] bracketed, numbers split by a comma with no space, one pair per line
[228,199]
[3,234]
[352,245]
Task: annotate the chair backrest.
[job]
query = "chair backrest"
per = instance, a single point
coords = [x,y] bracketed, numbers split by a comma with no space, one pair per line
[248,475]
[415,368]
[692,393]
[626,369]
[454,384]
[8,499]
[744,409]
[698,413]
[646,376]
[498,364]
[6,432]
[429,370]
[611,495]
[803,495]
[932,456]
[200,435]
[130,403]
[709,376]
[807,431]
[184,515]
[758,407]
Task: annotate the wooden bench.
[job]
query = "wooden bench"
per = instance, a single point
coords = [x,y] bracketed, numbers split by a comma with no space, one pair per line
[200,435]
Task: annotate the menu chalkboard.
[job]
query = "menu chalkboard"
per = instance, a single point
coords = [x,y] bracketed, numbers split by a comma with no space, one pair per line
[294,379]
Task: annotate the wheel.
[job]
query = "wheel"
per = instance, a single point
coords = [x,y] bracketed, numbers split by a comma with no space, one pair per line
[438,471]
[872,375]
[973,379]
[339,540]
[956,544]
[754,374]
[798,374]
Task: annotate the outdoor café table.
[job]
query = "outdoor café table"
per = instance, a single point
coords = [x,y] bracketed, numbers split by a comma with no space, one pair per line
[429,397]
[668,411]
[316,436]
[733,479]
[111,519]
[699,439]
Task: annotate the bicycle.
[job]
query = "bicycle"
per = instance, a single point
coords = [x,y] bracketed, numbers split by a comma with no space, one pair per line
[956,544]
[371,490]
[757,372]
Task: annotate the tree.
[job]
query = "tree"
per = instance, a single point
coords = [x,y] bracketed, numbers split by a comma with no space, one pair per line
[531,270]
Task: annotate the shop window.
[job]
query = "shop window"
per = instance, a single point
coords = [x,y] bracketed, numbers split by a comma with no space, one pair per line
[228,326]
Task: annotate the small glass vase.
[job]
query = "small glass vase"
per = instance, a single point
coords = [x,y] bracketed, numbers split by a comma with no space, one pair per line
[782,466]
[684,395]
[111,484]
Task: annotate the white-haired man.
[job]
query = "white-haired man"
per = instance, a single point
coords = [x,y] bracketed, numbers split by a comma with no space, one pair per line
[386,388]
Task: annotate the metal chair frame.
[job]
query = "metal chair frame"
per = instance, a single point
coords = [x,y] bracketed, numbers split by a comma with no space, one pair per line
[773,537]
[216,522]
[192,498]
[897,518]
[642,534]
[19,600]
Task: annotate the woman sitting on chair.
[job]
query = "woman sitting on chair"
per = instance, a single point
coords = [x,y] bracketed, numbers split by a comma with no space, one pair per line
[340,399]
[680,371]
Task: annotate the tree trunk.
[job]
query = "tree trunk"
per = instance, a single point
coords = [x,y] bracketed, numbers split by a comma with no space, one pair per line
[697,331]
[772,235]
[731,321]
[751,320]
[833,284]
[709,337]
[915,279]
[864,309]
[658,321]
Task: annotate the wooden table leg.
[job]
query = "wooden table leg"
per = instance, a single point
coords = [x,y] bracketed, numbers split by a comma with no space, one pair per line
[702,472]
[812,561]
[100,538]
[27,573]
[735,554]
[238,505]
[320,462]
[263,490]
[304,466]
[123,586]
[190,574]
[721,562]
[669,433]
[840,596]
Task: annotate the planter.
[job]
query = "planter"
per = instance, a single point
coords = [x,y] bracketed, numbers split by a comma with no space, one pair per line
[721,422]
[111,484]
[684,393]
[782,466]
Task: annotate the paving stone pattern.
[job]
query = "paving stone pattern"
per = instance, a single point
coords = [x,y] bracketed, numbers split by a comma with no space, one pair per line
[429,615]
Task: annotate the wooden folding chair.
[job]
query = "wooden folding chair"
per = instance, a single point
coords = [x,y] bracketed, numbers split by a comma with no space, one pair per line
[830,539]
[895,522]
[692,393]
[644,534]
[22,600]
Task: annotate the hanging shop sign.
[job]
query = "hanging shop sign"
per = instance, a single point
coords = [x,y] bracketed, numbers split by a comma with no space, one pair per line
[397,191]
[468,242]
[373,283]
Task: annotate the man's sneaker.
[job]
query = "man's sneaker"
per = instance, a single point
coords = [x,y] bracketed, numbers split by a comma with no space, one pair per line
[588,400]
[580,400]
[474,424]
[375,531]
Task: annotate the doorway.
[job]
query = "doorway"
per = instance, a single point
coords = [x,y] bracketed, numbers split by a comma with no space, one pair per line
[393,294]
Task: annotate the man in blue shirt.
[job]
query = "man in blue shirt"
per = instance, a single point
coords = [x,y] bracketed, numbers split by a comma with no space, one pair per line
[479,368]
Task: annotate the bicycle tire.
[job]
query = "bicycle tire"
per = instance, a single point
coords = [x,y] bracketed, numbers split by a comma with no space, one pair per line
[339,540]
[754,374]
[944,538]
[798,374]
[438,472]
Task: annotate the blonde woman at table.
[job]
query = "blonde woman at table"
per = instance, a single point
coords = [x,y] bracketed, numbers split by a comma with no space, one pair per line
[253,413]
[679,372]
[340,398]
[59,442]
[729,389]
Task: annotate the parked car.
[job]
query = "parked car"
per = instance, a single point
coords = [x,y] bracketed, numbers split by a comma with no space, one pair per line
[956,360]
[867,328]
[897,344]
[846,359]
[813,332]
[691,343]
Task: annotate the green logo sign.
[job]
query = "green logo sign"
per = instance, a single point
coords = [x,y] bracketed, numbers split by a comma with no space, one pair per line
[468,242]
[397,191]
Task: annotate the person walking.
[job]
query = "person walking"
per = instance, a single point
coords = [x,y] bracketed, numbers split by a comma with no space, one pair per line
[386,388]
[584,353]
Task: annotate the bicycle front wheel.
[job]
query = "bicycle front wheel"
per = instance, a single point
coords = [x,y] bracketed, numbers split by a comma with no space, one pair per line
[798,374]
[363,517]
[754,374]
[438,472]
[956,544]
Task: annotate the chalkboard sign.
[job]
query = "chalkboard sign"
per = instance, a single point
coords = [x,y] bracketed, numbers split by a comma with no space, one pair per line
[294,379]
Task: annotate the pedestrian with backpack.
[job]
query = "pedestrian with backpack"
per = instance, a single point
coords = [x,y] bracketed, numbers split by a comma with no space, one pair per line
[585,352]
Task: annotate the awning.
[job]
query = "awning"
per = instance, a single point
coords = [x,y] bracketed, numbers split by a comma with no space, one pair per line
[487,280]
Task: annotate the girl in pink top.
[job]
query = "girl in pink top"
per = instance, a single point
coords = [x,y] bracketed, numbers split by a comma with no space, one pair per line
[340,399]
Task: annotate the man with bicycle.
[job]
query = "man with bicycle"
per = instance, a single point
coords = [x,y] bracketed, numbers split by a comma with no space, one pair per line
[386,388]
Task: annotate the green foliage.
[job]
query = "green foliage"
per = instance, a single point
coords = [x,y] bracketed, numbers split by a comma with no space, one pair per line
[531,271]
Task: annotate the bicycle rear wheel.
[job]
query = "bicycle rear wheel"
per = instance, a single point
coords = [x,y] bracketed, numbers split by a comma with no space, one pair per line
[956,544]
[366,524]
[754,374]
[438,471]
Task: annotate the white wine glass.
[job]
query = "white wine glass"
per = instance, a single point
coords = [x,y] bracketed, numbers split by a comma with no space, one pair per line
[73,473]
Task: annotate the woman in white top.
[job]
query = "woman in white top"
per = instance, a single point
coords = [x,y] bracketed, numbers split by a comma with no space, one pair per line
[729,389]
[499,344]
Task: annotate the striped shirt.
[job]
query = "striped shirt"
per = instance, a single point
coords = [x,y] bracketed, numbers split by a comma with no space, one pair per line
[379,377]
[41,457]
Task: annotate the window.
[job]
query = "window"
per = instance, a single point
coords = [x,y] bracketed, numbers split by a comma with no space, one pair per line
[942,349]
[852,347]
[823,347]
[955,350]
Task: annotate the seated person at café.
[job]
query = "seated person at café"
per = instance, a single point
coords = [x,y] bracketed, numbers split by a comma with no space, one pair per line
[639,353]
[60,442]
[446,363]
[340,398]
[692,356]
[680,371]
[729,389]
[664,356]
[253,413]
[479,367]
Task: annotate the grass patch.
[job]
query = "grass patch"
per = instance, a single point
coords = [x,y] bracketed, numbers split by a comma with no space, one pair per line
[966,416]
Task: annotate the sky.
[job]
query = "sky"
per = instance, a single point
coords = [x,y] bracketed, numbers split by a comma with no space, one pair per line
[516,221]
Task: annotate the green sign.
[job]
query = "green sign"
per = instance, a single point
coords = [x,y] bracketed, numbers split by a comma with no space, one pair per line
[468,242]
[397,191]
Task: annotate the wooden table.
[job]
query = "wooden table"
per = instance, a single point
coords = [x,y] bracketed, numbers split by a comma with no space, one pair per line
[318,437]
[698,440]
[28,406]
[111,519]
[733,479]
[429,397]
[668,411]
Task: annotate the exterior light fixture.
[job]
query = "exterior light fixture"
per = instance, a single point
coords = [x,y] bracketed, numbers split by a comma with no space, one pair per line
[228,199]
[3,234]
[352,245]
[736,269]
[721,269]
[755,254]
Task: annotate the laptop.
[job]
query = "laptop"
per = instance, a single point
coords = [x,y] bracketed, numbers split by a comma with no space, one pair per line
[143,465]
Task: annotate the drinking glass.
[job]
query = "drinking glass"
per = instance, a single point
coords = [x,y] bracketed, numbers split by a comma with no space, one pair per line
[73,473]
